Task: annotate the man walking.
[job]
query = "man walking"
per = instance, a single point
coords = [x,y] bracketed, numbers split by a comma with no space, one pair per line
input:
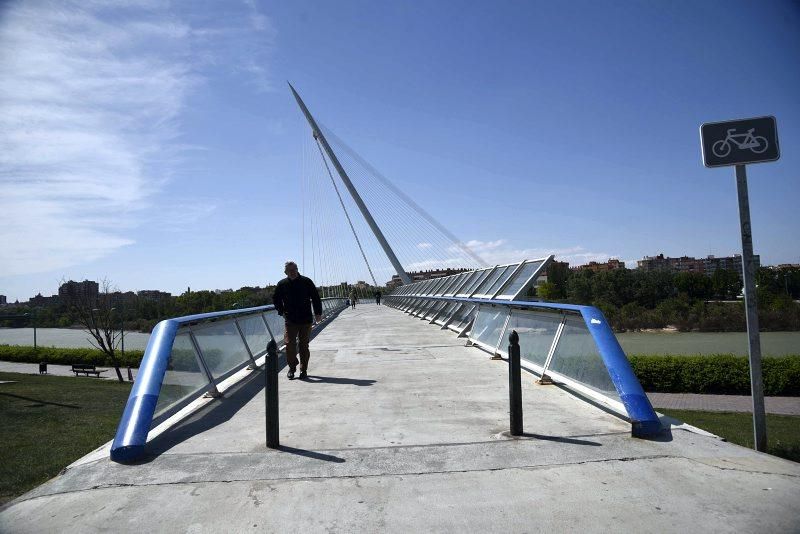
[378,297]
[353,298]
[293,298]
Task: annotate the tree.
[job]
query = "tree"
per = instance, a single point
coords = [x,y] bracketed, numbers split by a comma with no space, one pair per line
[547,291]
[726,283]
[694,285]
[95,314]
[557,275]
[579,287]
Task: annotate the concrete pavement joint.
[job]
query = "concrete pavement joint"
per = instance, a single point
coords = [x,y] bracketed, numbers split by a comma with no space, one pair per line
[369,476]
[742,470]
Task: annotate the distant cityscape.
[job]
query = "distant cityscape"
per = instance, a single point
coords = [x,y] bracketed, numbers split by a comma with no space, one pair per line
[90,289]
[87,290]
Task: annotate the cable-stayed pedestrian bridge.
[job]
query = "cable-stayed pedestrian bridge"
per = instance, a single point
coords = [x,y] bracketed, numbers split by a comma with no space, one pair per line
[403,422]
[403,427]
[190,356]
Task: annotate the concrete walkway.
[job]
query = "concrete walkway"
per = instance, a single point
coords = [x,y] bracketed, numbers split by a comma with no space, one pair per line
[400,428]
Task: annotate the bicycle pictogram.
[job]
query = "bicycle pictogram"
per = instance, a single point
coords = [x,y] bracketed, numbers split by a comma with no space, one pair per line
[756,143]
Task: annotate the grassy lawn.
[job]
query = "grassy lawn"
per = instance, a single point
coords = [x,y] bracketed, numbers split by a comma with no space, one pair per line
[783,431]
[48,422]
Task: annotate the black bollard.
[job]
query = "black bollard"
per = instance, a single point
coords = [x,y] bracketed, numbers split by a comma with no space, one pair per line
[514,384]
[271,394]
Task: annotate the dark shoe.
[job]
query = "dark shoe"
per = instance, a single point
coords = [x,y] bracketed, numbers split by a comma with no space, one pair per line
[303,374]
[290,374]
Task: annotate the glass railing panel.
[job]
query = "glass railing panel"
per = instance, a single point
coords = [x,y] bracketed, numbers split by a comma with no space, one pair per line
[502,279]
[463,315]
[438,284]
[451,281]
[536,333]
[486,284]
[221,347]
[465,324]
[577,357]
[255,333]
[184,376]
[489,325]
[416,305]
[433,310]
[446,312]
[423,288]
[474,283]
[520,278]
[277,326]
[463,282]
[420,306]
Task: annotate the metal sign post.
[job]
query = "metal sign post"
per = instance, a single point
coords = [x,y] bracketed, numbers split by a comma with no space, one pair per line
[750,303]
[737,143]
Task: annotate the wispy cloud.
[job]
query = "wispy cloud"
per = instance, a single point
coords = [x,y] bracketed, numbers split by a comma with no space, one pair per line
[91,96]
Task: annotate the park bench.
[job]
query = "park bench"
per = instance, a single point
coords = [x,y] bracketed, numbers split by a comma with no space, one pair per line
[86,369]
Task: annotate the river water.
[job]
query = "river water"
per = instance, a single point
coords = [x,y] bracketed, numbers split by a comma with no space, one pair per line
[772,343]
[63,337]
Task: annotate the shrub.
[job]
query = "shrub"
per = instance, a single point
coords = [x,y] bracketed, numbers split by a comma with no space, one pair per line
[719,374]
[64,356]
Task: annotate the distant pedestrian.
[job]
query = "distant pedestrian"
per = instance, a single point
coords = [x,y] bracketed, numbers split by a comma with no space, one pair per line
[378,298]
[294,297]
[353,298]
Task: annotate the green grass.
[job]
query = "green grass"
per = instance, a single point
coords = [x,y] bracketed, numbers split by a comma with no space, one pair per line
[783,431]
[48,422]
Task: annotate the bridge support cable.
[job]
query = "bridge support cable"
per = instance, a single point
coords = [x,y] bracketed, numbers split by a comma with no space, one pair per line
[401,225]
[406,199]
[346,214]
[343,175]
[449,253]
[332,241]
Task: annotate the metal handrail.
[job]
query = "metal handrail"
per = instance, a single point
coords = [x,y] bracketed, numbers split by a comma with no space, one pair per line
[644,421]
[138,416]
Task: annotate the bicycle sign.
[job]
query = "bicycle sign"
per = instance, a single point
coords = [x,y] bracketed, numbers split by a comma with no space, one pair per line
[739,142]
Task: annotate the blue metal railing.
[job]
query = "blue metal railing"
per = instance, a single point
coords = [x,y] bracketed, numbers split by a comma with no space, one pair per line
[140,414]
[644,421]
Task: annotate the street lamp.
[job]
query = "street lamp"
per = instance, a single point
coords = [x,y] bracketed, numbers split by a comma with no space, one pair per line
[32,316]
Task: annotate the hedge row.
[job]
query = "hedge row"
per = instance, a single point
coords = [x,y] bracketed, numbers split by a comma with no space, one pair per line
[720,373]
[63,356]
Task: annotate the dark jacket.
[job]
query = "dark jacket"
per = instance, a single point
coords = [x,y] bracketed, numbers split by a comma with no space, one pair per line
[292,298]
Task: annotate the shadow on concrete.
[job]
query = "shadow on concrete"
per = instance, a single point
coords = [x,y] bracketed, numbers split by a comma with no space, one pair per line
[337,380]
[559,439]
[40,402]
[209,416]
[311,454]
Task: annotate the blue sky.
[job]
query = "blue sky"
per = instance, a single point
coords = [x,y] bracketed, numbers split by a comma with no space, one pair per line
[156,144]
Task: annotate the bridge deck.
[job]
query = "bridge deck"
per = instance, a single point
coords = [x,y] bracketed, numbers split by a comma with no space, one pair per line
[400,428]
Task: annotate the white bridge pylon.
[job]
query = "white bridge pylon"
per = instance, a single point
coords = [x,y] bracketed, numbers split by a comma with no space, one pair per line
[393,227]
